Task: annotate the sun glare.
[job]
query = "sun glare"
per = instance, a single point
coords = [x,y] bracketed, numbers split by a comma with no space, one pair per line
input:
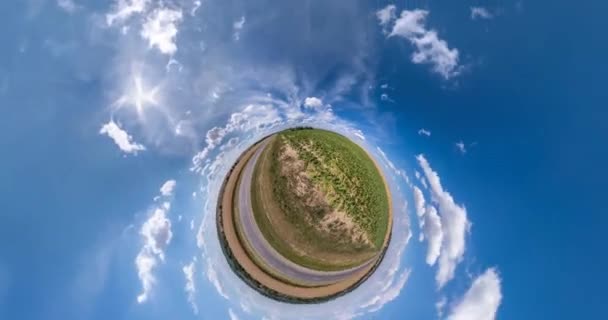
[139,96]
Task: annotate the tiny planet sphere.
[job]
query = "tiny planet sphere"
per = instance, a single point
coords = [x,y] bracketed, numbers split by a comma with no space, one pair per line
[304,215]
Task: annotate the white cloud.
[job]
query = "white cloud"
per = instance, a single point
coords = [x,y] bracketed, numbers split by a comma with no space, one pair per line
[145,263]
[419,205]
[419,202]
[391,165]
[430,226]
[196,5]
[160,29]
[424,132]
[462,148]
[122,139]
[435,51]
[190,286]
[481,301]
[434,235]
[454,223]
[440,306]
[389,294]
[215,281]
[385,97]
[68,5]
[429,48]
[237,26]
[313,103]
[156,233]
[167,188]
[124,9]
[410,24]
[252,117]
[232,315]
[386,15]
[480,13]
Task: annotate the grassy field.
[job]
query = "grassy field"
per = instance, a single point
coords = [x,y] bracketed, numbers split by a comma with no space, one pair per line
[350,182]
[347,175]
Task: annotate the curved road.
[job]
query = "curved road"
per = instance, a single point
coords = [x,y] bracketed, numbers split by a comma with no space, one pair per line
[266,252]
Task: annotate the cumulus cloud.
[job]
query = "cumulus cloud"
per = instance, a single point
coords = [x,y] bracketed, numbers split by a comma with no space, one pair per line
[124,9]
[156,234]
[424,132]
[430,49]
[480,13]
[160,29]
[454,225]
[386,15]
[482,299]
[313,102]
[419,202]
[237,26]
[167,188]
[190,287]
[145,264]
[123,140]
[434,235]
[430,226]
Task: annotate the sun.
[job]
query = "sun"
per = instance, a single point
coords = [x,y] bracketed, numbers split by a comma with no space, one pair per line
[139,95]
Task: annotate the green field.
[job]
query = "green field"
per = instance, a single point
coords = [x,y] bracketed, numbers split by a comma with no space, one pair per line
[347,174]
[349,182]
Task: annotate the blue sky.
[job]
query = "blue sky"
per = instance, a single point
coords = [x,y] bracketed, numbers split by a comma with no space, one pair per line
[120,119]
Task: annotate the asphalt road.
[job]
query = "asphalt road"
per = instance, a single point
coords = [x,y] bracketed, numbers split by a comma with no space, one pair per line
[266,252]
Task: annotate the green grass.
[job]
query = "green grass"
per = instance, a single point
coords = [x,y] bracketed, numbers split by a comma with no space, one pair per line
[346,173]
[304,231]
[340,168]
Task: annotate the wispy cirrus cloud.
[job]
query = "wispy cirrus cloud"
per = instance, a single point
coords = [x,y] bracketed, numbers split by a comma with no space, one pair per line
[156,234]
[454,225]
[461,147]
[68,6]
[190,286]
[237,27]
[424,132]
[480,13]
